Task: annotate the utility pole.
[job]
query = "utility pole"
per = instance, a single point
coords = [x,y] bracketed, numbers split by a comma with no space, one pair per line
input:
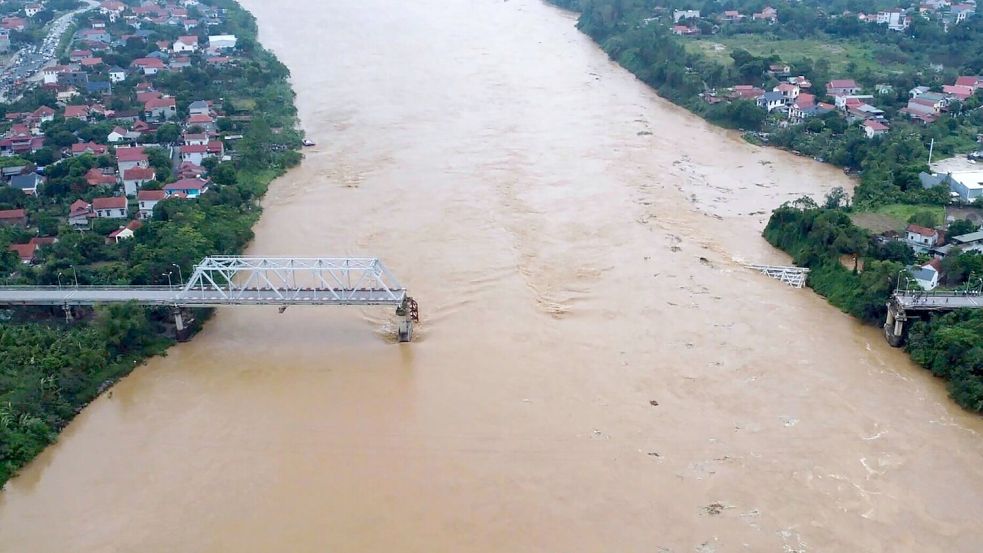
[931,148]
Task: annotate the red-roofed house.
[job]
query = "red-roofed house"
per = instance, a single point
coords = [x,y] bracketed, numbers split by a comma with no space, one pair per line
[79,214]
[149,66]
[43,114]
[77,112]
[842,87]
[747,92]
[112,9]
[97,177]
[13,218]
[109,208]
[873,127]
[89,148]
[186,44]
[789,91]
[147,199]
[25,252]
[203,121]
[194,153]
[192,188]
[973,81]
[123,233]
[13,23]
[129,158]
[959,92]
[189,170]
[922,238]
[160,109]
[134,179]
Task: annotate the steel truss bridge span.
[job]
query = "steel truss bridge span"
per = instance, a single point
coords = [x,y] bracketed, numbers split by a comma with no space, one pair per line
[237,281]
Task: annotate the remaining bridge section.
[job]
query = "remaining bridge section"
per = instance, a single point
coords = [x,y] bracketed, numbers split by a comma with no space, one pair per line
[235,280]
[793,276]
[905,304]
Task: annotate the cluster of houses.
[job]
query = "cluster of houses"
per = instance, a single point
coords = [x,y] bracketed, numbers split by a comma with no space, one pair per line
[684,22]
[934,242]
[125,195]
[899,19]
[793,98]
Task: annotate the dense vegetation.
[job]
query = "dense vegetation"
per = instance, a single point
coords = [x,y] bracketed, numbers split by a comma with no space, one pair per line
[636,34]
[50,369]
[822,237]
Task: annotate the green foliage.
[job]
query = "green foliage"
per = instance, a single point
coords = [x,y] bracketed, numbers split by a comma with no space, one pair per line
[960,227]
[48,373]
[924,218]
[951,346]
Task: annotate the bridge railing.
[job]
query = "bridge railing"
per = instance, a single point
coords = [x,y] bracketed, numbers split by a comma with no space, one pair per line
[51,287]
[938,294]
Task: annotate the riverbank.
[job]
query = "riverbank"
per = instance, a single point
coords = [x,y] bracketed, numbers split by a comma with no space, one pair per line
[76,361]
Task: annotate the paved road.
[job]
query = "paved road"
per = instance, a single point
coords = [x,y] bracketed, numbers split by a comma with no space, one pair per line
[938,302]
[28,62]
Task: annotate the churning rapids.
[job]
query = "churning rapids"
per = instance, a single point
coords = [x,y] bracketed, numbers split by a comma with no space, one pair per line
[575,244]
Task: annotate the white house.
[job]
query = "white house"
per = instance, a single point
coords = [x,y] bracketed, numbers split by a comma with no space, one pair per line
[678,15]
[147,199]
[32,9]
[772,101]
[873,127]
[109,208]
[117,74]
[927,276]
[124,233]
[921,238]
[221,42]
[185,44]
[134,179]
[129,158]
[199,107]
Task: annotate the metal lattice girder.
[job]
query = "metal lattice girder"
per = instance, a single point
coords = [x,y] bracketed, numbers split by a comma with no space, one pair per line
[289,280]
[793,276]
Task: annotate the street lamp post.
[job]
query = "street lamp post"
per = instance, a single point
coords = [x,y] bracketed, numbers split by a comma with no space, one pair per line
[180,274]
[76,275]
[168,275]
[59,280]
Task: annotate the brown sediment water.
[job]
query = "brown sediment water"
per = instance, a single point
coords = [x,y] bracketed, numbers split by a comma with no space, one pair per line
[576,246]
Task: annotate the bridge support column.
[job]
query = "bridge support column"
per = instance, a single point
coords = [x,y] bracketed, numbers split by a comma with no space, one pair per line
[894,325]
[181,332]
[408,313]
[68,313]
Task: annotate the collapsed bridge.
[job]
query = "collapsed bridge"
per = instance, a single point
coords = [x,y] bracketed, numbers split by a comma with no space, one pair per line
[221,281]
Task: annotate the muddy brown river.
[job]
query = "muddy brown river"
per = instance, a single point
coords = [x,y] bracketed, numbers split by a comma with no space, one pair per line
[576,246]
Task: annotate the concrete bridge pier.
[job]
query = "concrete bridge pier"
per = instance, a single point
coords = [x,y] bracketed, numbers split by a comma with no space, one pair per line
[182,330]
[894,326]
[408,313]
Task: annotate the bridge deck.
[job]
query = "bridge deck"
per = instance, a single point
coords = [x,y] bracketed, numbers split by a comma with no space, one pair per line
[197,298]
[938,301]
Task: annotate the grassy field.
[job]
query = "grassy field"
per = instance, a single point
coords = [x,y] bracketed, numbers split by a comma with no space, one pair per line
[838,53]
[893,217]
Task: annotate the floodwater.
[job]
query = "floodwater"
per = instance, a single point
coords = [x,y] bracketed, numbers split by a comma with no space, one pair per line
[595,370]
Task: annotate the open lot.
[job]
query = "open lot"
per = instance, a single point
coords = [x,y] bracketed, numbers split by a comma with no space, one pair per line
[839,53]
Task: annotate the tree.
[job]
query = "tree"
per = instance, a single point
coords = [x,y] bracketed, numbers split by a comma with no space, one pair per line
[837,197]
[168,133]
[961,226]
[924,218]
